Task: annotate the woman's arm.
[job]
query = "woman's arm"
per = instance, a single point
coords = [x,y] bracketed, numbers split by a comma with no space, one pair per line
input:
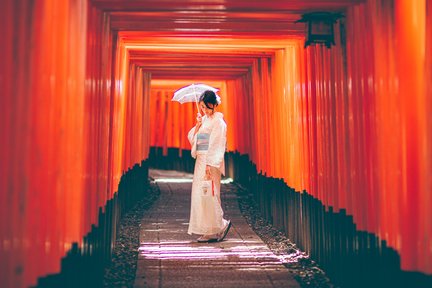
[217,144]
[194,130]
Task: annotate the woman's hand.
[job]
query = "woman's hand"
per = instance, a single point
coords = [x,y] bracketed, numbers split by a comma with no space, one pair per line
[208,171]
[198,124]
[199,120]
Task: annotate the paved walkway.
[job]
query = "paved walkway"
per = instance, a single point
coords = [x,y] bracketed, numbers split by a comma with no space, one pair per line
[169,257]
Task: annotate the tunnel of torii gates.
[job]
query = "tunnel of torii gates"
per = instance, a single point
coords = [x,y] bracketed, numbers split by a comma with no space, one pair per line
[86,91]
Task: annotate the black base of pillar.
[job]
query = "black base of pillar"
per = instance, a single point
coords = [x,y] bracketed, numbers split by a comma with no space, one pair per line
[84,266]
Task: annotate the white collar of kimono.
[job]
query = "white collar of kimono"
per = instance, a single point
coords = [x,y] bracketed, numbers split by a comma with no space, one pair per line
[215,115]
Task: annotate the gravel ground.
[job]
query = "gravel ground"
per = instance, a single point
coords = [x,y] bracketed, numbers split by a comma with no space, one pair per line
[121,271]
[306,271]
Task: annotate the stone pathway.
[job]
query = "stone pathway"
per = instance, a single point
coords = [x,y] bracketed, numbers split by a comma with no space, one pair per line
[169,257]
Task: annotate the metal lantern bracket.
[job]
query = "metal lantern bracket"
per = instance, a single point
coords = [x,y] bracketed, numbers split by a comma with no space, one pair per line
[320,27]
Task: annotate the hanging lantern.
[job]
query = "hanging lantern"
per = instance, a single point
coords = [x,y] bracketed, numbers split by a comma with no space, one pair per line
[320,27]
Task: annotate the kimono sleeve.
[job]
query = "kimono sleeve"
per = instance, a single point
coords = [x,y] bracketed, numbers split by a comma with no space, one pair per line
[191,137]
[217,144]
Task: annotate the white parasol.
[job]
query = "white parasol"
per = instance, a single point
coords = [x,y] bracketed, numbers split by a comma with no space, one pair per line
[191,93]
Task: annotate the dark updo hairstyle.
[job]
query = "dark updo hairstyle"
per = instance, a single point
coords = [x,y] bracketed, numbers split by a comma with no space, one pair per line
[209,97]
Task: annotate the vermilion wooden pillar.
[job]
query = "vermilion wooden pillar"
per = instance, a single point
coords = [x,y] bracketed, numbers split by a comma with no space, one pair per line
[68,130]
[42,92]
[410,61]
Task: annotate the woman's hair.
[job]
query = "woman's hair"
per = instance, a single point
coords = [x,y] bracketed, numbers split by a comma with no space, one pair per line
[210,97]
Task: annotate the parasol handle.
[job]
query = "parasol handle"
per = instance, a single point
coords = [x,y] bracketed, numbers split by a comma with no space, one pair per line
[196,99]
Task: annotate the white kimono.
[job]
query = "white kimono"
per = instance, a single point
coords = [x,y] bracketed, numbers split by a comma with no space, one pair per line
[208,147]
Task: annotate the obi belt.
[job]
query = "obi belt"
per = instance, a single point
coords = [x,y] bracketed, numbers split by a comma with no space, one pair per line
[203,141]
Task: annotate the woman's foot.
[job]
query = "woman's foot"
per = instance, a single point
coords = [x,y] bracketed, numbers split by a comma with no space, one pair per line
[207,239]
[224,232]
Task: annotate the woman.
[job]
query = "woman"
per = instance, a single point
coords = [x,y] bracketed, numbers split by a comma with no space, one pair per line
[208,140]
